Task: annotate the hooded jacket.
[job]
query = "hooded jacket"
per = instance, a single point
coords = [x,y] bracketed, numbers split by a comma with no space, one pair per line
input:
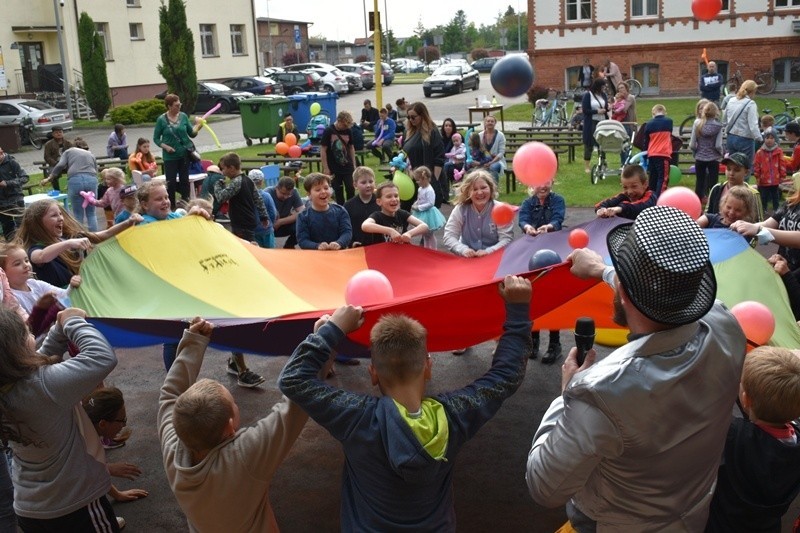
[394,478]
[15,177]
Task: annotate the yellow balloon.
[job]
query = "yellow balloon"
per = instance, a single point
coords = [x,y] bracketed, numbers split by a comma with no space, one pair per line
[315,109]
[405,185]
[611,337]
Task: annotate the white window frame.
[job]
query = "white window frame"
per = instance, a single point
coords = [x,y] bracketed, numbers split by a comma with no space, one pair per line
[101,29]
[644,6]
[136,29]
[647,87]
[238,41]
[786,4]
[578,6]
[208,40]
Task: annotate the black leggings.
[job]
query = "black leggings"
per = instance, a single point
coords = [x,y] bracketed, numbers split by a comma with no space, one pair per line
[707,174]
[98,516]
[177,174]
[340,181]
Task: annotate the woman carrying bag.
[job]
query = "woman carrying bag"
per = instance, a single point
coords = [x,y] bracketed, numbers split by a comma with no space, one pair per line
[173,134]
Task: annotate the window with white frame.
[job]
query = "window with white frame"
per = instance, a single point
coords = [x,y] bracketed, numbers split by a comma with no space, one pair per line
[133,3]
[644,8]
[572,74]
[102,30]
[208,40]
[137,31]
[237,40]
[579,10]
[787,3]
[787,72]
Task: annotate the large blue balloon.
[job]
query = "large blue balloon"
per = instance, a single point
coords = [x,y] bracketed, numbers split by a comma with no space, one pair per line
[543,258]
[512,76]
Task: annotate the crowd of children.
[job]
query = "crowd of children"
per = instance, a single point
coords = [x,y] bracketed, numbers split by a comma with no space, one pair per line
[198,421]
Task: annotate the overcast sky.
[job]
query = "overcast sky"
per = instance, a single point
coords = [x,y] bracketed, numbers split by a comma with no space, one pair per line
[344,19]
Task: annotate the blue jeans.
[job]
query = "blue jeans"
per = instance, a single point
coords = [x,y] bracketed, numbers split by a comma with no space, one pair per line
[75,184]
[496,169]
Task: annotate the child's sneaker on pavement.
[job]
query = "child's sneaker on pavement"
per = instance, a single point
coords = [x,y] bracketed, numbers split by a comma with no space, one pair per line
[249,379]
[232,368]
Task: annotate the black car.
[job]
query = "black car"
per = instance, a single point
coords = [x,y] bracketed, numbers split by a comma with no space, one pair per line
[211,93]
[255,85]
[451,79]
[484,64]
[297,82]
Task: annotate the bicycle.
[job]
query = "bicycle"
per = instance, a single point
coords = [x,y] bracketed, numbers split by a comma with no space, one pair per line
[765,82]
[634,86]
[27,133]
[550,113]
[784,117]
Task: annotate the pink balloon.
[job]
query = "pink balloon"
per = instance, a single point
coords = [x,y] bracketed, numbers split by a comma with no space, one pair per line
[682,198]
[535,164]
[578,238]
[502,214]
[756,320]
[368,287]
[295,150]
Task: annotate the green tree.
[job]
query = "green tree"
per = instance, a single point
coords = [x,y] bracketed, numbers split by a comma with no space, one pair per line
[93,65]
[394,50]
[413,42]
[454,33]
[177,52]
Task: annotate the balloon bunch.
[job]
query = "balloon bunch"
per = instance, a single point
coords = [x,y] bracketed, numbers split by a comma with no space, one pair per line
[88,198]
[289,146]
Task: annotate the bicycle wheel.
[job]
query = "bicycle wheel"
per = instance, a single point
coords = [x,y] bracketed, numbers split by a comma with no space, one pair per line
[596,173]
[765,83]
[686,125]
[538,117]
[562,116]
[634,87]
[36,142]
[781,120]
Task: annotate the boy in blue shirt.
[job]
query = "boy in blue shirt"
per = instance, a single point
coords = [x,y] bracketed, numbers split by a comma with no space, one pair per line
[400,448]
[323,226]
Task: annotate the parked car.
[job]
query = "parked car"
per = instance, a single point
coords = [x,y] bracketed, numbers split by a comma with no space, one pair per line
[353,82]
[333,79]
[485,64]
[255,85]
[451,79]
[271,70]
[43,115]
[407,65]
[211,93]
[366,73]
[386,71]
[297,82]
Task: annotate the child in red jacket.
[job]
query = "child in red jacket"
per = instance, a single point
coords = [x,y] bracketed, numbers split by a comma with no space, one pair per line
[769,168]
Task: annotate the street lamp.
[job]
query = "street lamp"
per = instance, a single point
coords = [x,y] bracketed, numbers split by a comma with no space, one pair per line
[56,5]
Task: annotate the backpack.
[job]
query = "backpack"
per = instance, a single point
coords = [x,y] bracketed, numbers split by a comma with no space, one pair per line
[357,136]
[316,126]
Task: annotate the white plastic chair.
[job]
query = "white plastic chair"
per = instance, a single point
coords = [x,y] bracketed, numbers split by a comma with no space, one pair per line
[272,174]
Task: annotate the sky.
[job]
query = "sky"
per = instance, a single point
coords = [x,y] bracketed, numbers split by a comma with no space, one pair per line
[344,19]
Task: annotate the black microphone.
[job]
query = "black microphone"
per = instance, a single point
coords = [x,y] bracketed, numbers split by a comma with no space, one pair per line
[584,337]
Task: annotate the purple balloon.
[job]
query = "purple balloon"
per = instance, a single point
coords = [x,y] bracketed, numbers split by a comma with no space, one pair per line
[512,76]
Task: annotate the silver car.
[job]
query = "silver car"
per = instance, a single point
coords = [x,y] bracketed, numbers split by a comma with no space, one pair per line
[366,73]
[44,116]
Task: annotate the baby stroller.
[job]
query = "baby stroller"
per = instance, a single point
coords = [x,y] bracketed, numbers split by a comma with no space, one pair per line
[610,136]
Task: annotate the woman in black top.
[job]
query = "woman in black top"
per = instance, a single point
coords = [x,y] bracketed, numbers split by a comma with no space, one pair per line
[423,145]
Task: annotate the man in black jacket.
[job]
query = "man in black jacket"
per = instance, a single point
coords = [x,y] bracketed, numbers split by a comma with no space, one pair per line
[12,178]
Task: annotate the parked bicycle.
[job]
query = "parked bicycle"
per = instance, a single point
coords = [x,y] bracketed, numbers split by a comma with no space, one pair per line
[550,112]
[634,86]
[765,81]
[27,133]
[788,114]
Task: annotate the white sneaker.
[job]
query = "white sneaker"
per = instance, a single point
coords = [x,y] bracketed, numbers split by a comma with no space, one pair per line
[121,522]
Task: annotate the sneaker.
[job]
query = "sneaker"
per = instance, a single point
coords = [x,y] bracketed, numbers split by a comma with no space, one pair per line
[121,522]
[111,444]
[552,354]
[232,369]
[123,435]
[249,379]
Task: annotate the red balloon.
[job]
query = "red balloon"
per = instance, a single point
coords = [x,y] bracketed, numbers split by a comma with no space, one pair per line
[706,9]
[578,238]
[682,198]
[756,320]
[282,148]
[368,287]
[535,164]
[290,139]
[295,150]
[502,214]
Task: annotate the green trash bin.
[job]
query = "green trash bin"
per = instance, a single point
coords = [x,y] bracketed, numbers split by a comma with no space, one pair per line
[261,116]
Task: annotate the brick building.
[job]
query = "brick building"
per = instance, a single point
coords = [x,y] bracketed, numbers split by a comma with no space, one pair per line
[659,42]
[276,38]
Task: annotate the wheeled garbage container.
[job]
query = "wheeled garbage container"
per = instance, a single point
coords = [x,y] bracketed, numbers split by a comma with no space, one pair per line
[261,116]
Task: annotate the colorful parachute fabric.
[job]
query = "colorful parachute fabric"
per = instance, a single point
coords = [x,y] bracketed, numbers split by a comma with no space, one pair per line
[142,286]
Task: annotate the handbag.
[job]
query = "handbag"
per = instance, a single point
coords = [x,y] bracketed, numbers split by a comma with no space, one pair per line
[192,154]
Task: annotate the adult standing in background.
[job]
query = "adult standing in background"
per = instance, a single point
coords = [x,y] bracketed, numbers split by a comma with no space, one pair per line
[493,141]
[585,74]
[12,199]
[624,110]
[81,167]
[711,83]
[612,75]
[53,150]
[423,145]
[338,156]
[173,134]
[614,468]
[741,122]
[595,107]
